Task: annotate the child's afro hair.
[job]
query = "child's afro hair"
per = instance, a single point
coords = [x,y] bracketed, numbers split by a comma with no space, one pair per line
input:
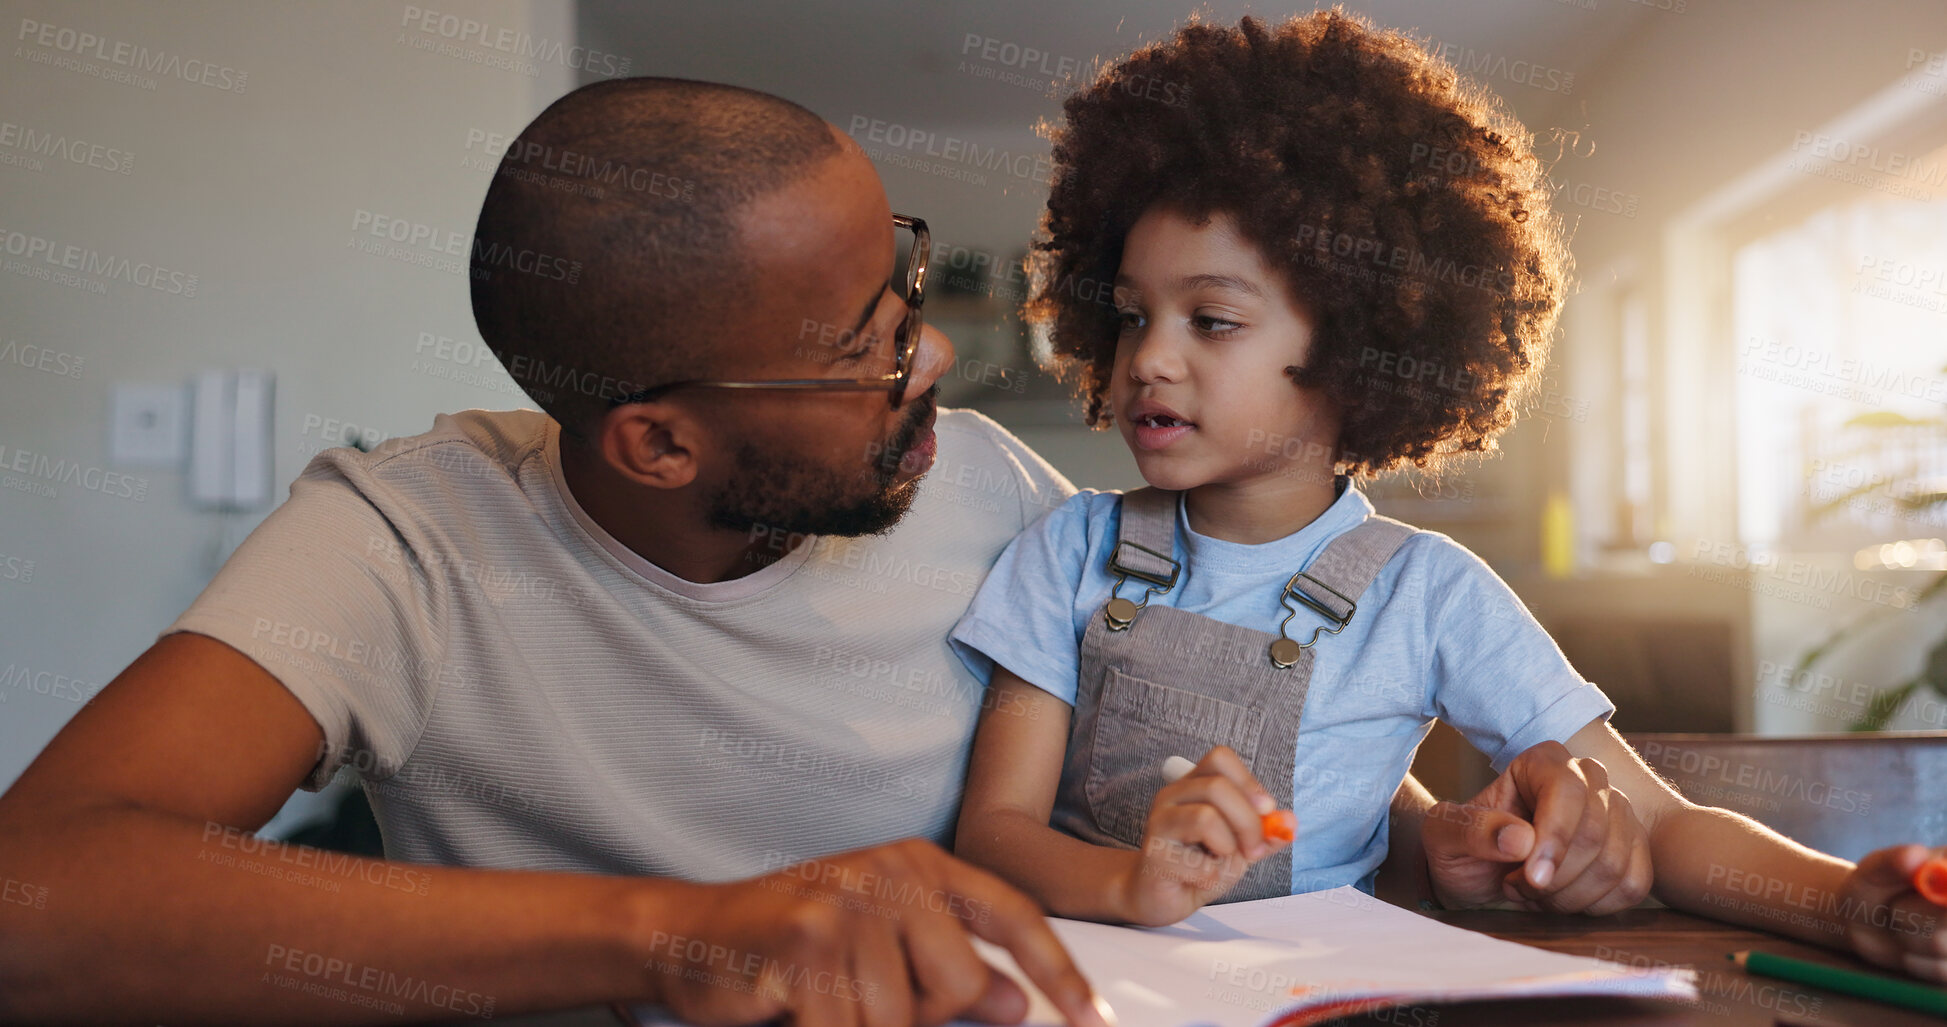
[1406,206]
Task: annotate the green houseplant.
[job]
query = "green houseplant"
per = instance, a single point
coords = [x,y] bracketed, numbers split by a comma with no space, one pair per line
[1913,494]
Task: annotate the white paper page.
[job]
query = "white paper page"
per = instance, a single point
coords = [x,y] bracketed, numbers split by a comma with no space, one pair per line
[1236,965]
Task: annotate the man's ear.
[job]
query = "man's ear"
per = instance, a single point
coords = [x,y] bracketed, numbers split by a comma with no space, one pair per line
[653,444]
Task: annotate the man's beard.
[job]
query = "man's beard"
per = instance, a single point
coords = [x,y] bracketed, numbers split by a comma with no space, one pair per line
[780,493]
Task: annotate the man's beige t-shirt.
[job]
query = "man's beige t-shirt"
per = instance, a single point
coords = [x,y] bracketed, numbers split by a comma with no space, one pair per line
[518,689]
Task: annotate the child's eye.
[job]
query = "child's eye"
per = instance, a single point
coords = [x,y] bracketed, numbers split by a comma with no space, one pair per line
[1214,325]
[1130,320]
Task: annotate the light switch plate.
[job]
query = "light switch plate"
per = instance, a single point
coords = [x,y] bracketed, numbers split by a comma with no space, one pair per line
[147,424]
[230,439]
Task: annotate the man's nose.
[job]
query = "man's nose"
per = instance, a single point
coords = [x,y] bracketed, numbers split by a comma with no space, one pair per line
[930,361]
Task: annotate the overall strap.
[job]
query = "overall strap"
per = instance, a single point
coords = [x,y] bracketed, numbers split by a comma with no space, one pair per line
[1148,528]
[1145,550]
[1331,586]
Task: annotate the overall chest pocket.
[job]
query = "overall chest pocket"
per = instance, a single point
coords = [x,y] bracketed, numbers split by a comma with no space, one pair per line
[1137,725]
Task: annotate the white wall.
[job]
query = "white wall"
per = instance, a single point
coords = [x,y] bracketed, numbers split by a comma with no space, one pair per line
[253,190]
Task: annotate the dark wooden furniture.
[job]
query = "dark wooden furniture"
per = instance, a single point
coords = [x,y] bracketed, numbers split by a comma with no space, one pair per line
[1728,997]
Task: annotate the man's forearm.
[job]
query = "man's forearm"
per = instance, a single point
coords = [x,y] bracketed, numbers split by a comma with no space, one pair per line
[1753,875]
[153,916]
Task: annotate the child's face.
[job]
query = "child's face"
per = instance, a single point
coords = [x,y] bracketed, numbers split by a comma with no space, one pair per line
[1199,387]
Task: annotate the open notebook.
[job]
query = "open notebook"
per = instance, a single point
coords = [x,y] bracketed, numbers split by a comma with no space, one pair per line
[1304,959]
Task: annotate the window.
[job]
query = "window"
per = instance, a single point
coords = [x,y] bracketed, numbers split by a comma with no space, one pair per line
[1841,338]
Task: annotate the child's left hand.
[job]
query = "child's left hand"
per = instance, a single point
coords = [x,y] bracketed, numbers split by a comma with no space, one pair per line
[1891,925]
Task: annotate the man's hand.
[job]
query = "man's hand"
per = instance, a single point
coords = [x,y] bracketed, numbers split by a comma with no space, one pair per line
[1892,925]
[1548,834]
[876,938]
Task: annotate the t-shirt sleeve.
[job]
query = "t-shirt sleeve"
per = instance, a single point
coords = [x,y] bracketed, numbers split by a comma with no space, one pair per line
[1042,487]
[1023,616]
[332,597]
[1499,678]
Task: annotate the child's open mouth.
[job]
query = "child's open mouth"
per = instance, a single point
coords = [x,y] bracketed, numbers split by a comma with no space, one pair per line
[1156,430]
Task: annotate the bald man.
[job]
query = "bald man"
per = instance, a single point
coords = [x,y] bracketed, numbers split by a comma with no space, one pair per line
[650,690]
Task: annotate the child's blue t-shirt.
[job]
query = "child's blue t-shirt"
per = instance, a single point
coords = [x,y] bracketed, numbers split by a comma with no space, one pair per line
[1437,634]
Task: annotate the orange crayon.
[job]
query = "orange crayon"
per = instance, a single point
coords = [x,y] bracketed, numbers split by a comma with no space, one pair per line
[1931,880]
[1280,825]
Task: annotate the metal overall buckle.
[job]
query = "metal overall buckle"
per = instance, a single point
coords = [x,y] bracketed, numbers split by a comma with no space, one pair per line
[1120,612]
[1285,651]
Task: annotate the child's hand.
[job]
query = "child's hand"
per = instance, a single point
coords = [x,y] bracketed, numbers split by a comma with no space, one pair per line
[1204,831]
[1892,926]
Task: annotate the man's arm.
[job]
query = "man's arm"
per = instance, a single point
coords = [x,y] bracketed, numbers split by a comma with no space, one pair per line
[1720,864]
[152,903]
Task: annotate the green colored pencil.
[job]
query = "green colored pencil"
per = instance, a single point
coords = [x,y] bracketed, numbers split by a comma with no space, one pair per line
[1877,987]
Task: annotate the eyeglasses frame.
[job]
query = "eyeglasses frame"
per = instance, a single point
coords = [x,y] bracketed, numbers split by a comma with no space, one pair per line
[906,337]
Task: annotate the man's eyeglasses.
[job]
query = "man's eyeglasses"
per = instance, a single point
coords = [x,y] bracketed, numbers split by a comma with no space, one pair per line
[905,339]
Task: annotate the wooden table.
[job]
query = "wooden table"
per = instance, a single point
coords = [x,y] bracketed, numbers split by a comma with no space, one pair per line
[1728,997]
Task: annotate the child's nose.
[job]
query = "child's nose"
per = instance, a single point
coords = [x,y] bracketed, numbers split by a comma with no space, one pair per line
[1158,358]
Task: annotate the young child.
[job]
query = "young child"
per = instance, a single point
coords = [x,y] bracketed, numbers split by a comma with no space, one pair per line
[1329,259]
